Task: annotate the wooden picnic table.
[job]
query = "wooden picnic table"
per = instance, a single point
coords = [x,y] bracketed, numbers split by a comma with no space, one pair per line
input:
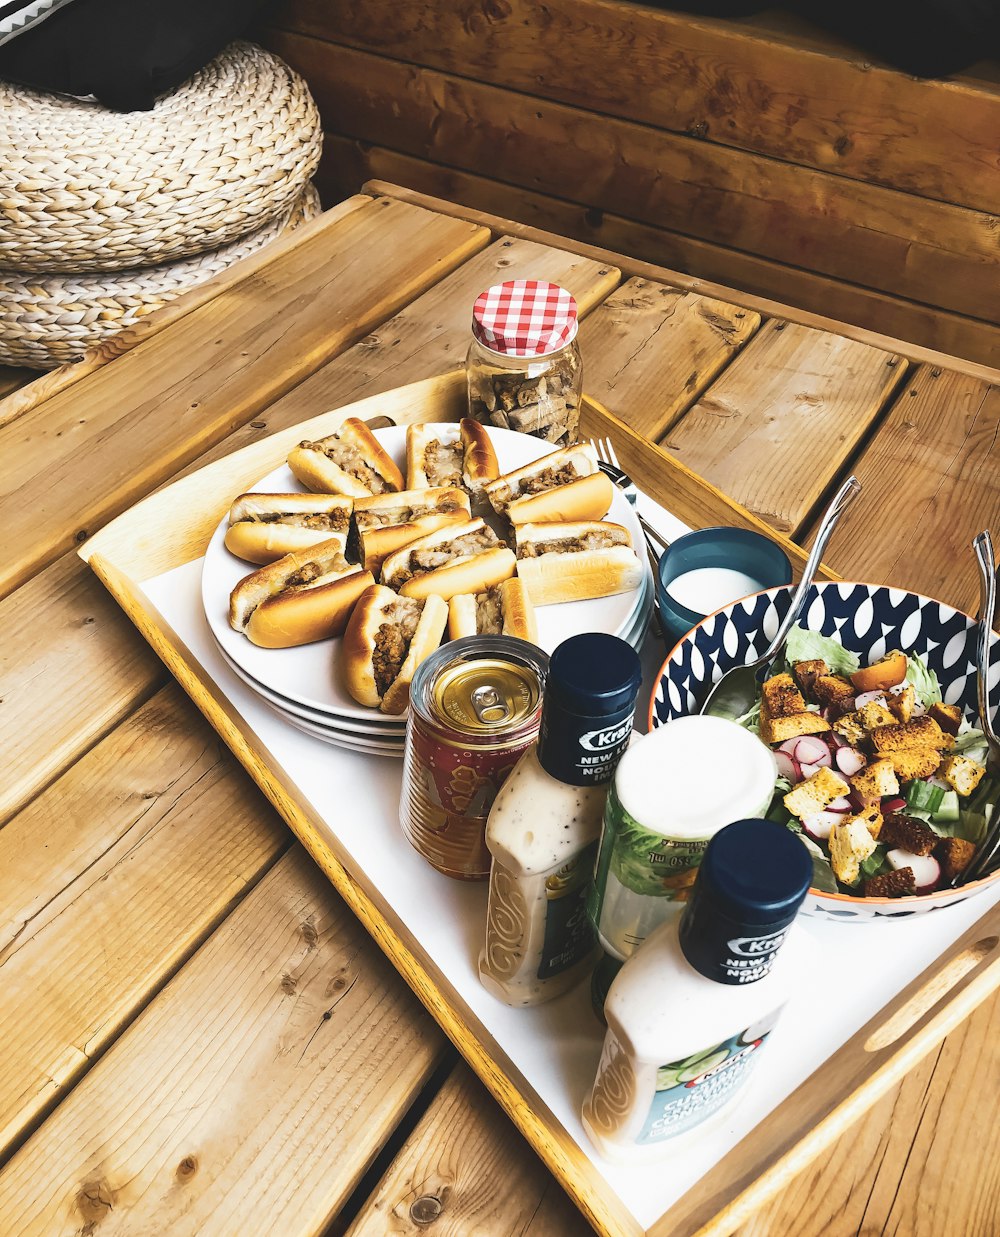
[198,1036]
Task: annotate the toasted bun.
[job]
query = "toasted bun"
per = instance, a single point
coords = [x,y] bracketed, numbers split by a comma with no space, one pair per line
[415,502]
[268,581]
[578,460]
[465,572]
[557,574]
[479,462]
[378,543]
[517,614]
[376,607]
[262,540]
[418,439]
[316,471]
[587,498]
[301,616]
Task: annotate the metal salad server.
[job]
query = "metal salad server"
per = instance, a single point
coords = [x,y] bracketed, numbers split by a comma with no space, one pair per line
[736,692]
[990,845]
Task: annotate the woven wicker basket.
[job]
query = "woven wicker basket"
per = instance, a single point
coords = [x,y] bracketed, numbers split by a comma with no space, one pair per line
[47,320]
[86,189]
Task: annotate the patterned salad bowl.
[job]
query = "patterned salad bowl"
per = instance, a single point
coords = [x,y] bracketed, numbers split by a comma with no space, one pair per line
[867,619]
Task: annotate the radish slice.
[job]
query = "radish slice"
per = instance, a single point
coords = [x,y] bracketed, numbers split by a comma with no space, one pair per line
[839,740]
[856,801]
[892,805]
[809,770]
[818,825]
[811,751]
[864,698]
[788,766]
[839,806]
[849,761]
[788,747]
[926,869]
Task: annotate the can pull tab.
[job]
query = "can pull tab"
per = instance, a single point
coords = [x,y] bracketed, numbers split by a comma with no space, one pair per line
[489,706]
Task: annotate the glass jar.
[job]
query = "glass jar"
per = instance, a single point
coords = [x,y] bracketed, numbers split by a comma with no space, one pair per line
[523,367]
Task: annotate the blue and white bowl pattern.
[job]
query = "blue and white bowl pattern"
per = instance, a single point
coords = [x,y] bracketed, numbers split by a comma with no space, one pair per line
[868,619]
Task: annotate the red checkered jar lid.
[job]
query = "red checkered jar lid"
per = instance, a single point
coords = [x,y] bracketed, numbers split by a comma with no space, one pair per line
[524,317]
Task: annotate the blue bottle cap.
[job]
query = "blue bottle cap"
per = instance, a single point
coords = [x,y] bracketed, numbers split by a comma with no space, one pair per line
[755,872]
[594,674]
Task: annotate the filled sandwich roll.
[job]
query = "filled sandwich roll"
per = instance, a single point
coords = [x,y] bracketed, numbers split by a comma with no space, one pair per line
[265,527]
[566,485]
[386,522]
[505,609]
[297,599]
[479,460]
[387,638]
[351,461]
[575,561]
[462,558]
[434,455]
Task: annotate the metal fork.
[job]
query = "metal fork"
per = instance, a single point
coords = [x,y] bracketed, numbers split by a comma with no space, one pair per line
[607,461]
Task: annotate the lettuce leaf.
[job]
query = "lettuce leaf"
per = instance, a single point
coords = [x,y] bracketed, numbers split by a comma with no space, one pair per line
[923,680]
[803,645]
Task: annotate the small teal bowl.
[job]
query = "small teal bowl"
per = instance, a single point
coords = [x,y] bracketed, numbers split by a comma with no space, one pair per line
[738,549]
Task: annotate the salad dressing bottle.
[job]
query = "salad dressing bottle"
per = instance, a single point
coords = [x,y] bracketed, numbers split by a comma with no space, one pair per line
[543,827]
[688,1013]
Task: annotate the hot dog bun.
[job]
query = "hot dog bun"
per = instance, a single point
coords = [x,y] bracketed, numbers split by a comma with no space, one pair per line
[300,598]
[575,561]
[386,522]
[386,639]
[462,558]
[479,460]
[265,527]
[434,454]
[564,485]
[351,461]
[503,610]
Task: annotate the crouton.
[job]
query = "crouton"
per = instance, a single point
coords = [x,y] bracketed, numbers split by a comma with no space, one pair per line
[920,732]
[954,856]
[872,818]
[783,712]
[908,834]
[961,773]
[901,703]
[919,763]
[876,780]
[849,844]
[947,716]
[850,729]
[891,884]
[806,673]
[833,691]
[812,795]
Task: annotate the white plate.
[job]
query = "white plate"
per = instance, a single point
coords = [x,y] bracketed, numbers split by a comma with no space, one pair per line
[343,738]
[307,675]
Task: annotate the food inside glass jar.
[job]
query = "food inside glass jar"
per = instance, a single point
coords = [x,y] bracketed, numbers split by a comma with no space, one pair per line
[885,784]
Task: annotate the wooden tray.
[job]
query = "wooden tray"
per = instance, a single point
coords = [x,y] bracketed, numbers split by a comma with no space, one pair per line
[172,527]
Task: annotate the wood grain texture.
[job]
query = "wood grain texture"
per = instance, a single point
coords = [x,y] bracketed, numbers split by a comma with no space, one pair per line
[932,481]
[784,418]
[431,335]
[893,241]
[111,879]
[809,101]
[45,386]
[724,291]
[651,350]
[113,435]
[348,164]
[465,1172]
[249,1096]
[62,693]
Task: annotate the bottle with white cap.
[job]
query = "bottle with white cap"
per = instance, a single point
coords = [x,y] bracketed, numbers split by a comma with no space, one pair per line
[689,1012]
[524,368]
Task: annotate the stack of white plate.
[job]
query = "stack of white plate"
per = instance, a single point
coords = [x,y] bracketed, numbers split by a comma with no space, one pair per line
[303,684]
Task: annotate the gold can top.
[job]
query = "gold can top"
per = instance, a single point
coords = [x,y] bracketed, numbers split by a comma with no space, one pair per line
[486,697]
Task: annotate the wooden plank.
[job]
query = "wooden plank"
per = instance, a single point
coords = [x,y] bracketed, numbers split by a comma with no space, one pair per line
[446,1173]
[251,1093]
[650,351]
[347,164]
[112,436]
[110,879]
[774,92]
[931,483]
[893,241]
[431,335]
[794,404]
[56,380]
[722,291]
[63,692]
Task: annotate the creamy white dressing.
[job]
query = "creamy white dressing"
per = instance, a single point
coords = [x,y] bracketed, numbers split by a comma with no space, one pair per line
[706,589]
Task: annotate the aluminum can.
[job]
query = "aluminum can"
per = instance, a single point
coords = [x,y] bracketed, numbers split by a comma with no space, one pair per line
[475,706]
